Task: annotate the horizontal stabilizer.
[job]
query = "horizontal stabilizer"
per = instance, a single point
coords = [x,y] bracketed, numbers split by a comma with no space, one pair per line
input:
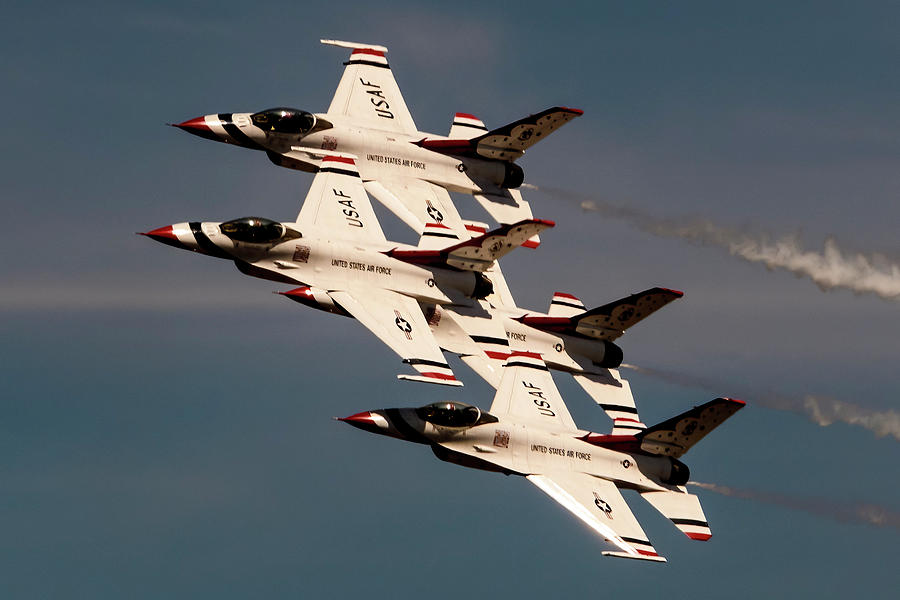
[607,322]
[510,141]
[683,509]
[677,435]
[478,253]
[505,143]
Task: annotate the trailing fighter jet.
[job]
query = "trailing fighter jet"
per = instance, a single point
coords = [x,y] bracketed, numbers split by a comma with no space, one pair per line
[569,338]
[528,431]
[337,251]
[407,170]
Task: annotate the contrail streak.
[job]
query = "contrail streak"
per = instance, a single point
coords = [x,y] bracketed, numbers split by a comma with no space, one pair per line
[869,514]
[829,268]
[820,410]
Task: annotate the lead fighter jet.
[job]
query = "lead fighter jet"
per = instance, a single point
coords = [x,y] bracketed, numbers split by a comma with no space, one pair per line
[409,171]
[528,431]
[337,250]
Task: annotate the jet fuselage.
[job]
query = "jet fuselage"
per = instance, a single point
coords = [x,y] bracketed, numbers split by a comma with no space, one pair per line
[516,448]
[380,155]
[303,257]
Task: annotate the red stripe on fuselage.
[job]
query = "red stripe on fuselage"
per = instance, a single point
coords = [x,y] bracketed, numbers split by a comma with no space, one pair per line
[340,159]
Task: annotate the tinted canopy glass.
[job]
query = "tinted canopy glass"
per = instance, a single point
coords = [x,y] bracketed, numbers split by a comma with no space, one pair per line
[284,120]
[449,414]
[254,230]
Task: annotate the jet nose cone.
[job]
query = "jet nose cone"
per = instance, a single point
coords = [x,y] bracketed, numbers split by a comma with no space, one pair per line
[198,127]
[370,421]
[165,235]
[363,418]
[198,123]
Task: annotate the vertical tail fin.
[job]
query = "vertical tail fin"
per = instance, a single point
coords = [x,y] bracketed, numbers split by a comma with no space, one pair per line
[465,127]
[565,305]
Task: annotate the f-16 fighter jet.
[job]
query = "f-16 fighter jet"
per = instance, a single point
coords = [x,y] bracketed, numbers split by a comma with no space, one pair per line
[528,431]
[569,337]
[337,251]
[408,170]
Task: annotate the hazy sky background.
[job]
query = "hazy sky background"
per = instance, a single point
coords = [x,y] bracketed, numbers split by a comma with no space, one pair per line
[166,422]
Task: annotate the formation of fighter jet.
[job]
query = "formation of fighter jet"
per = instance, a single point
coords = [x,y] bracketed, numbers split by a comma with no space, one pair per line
[528,431]
[409,171]
[448,294]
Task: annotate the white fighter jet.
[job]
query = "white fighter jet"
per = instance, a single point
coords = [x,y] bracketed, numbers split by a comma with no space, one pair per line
[568,337]
[338,252]
[528,431]
[409,171]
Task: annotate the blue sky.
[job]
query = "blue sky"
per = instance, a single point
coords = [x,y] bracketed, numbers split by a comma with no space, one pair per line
[167,425]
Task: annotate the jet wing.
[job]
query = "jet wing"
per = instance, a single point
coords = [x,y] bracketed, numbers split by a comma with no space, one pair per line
[528,395]
[418,203]
[368,92]
[598,503]
[398,321]
[337,201]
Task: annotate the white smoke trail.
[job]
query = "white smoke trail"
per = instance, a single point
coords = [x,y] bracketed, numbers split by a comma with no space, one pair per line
[820,410]
[869,514]
[831,268]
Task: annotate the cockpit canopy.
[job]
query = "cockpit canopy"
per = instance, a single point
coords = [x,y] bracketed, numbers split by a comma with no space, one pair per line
[453,414]
[253,230]
[284,120]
